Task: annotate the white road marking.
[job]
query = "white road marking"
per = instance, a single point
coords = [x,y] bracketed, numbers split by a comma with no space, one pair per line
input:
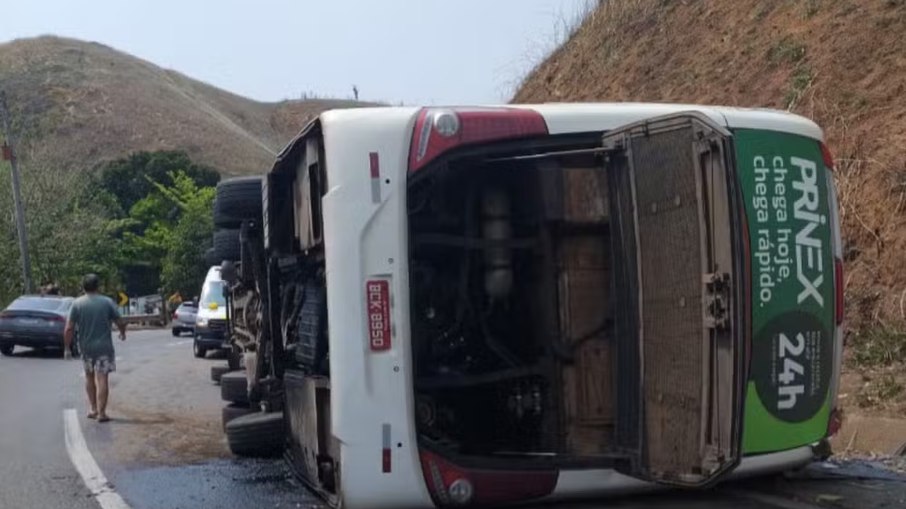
[179,343]
[84,462]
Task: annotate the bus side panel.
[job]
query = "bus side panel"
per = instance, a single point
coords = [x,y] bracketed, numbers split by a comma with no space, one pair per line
[784,184]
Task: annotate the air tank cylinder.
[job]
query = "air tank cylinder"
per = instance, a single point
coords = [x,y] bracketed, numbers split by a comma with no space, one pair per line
[497,226]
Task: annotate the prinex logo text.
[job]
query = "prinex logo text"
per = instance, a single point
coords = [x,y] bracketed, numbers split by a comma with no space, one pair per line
[809,251]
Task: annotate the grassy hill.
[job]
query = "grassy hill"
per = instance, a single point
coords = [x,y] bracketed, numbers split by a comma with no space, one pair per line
[839,62]
[78,103]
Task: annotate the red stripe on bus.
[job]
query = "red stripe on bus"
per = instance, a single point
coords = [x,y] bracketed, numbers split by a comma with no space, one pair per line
[375,165]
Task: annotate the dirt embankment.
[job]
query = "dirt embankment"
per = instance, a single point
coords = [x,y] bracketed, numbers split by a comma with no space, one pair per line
[839,62]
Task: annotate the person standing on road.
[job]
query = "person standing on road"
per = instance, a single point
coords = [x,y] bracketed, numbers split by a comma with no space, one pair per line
[90,319]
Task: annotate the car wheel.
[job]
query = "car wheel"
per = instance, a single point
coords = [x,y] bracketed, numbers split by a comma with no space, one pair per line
[234,410]
[219,371]
[234,387]
[199,350]
[257,435]
[226,244]
[237,199]
[7,349]
[176,332]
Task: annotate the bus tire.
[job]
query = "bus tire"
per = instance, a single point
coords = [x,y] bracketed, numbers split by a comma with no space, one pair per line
[234,359]
[210,257]
[237,199]
[256,435]
[232,411]
[219,371]
[234,387]
[226,244]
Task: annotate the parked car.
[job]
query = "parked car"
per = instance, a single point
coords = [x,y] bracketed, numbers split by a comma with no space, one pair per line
[211,319]
[34,321]
[184,318]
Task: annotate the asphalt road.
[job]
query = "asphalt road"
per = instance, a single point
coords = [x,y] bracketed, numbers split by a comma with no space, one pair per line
[35,470]
[164,448]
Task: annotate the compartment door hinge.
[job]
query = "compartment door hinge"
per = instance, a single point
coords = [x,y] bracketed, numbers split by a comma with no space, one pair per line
[717,299]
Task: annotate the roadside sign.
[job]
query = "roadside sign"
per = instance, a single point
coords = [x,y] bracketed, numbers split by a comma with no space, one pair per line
[124,299]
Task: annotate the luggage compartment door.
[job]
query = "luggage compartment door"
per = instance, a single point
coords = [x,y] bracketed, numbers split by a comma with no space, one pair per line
[679,326]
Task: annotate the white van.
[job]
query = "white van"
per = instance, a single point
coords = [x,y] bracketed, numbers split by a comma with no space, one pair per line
[211,319]
[478,306]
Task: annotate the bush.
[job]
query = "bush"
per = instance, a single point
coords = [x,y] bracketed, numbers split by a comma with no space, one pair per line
[878,346]
[880,390]
[69,232]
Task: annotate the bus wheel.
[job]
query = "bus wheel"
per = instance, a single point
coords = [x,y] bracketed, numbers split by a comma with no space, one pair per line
[256,435]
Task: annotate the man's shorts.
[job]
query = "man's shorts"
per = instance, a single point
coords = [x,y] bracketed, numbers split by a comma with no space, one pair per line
[102,364]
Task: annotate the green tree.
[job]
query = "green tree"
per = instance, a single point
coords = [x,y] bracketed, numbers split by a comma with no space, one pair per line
[70,231]
[131,178]
[184,267]
[167,233]
[139,185]
[147,231]
[145,220]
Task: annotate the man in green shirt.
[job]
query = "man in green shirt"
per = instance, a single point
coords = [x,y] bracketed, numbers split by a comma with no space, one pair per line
[90,319]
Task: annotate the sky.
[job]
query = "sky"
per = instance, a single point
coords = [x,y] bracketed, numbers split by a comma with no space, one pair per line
[396,51]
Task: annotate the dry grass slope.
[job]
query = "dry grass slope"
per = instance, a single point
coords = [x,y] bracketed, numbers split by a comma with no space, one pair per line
[839,62]
[81,103]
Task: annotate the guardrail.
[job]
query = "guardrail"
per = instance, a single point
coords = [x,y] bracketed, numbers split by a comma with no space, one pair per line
[146,320]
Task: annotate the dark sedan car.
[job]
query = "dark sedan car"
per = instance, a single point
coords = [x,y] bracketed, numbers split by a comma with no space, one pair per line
[34,321]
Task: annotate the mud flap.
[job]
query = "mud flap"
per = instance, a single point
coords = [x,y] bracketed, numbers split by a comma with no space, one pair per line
[679,347]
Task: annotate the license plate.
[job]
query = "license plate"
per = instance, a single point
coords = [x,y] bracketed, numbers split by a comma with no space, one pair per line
[29,321]
[377,302]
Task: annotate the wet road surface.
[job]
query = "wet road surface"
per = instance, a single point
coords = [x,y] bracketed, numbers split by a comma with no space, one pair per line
[217,484]
[164,448]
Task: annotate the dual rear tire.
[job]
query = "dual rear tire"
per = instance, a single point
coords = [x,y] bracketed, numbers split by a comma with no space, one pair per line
[234,387]
[219,371]
[237,200]
[249,432]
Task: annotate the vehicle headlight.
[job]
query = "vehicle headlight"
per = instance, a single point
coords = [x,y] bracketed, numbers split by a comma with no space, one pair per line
[201,322]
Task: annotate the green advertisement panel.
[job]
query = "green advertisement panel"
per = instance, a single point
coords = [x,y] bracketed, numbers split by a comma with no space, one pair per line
[785,190]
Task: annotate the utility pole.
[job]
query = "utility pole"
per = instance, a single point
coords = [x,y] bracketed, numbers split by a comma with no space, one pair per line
[9,154]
